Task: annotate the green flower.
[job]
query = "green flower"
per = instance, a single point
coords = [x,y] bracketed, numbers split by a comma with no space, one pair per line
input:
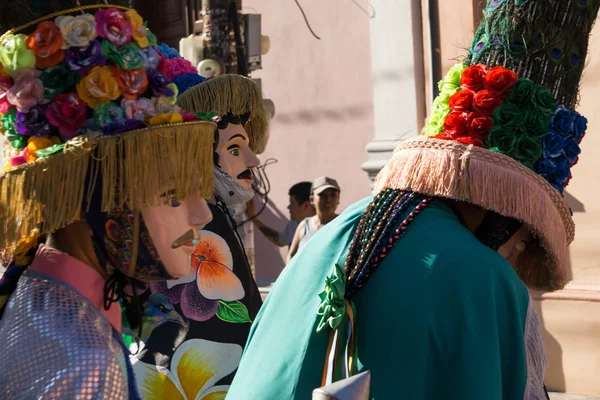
[209,116]
[332,309]
[508,115]
[150,36]
[172,99]
[504,138]
[126,57]
[536,125]
[58,80]
[543,101]
[8,120]
[521,93]
[454,74]
[106,113]
[527,151]
[50,151]
[15,55]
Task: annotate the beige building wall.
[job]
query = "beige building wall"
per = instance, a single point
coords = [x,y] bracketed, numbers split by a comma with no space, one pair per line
[323,98]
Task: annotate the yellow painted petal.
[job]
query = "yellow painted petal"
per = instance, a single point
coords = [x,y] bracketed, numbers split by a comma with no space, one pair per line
[215,393]
[198,364]
[156,383]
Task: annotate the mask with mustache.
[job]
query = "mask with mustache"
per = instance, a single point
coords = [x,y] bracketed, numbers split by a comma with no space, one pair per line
[229,190]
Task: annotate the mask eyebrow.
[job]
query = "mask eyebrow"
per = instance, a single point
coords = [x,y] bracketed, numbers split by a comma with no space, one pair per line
[237,135]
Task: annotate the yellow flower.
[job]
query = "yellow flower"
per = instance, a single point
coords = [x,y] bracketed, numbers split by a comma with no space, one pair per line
[38,143]
[164,119]
[98,87]
[195,368]
[137,25]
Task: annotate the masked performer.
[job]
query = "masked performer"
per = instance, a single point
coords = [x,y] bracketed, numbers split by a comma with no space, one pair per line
[101,190]
[425,285]
[194,328]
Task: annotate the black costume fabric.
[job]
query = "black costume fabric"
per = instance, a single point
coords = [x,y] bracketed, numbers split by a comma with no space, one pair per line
[194,328]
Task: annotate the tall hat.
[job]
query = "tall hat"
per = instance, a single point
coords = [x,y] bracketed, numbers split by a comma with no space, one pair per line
[503,134]
[232,94]
[85,92]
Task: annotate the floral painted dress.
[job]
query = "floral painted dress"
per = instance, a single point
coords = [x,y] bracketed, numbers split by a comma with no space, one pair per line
[194,328]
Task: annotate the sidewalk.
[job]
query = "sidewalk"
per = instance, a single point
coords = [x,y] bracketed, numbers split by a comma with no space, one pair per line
[566,396]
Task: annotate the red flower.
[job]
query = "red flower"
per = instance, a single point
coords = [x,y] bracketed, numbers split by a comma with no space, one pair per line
[67,112]
[486,103]
[470,140]
[455,124]
[499,81]
[478,125]
[473,77]
[443,136]
[461,101]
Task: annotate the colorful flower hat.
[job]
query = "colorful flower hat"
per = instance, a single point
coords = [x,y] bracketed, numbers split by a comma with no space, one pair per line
[503,134]
[85,91]
[231,94]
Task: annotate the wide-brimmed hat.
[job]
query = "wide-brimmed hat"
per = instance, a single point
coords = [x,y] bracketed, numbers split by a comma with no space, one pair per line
[231,94]
[86,92]
[503,134]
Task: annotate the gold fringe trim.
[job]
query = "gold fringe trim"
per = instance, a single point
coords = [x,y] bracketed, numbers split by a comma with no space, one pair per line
[495,182]
[136,168]
[233,94]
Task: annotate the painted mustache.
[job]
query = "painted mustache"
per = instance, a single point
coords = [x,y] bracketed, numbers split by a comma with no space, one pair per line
[186,238]
[247,174]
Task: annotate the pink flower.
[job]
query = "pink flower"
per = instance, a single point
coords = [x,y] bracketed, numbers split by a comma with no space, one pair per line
[27,90]
[67,112]
[179,66]
[5,84]
[112,25]
[18,160]
[139,109]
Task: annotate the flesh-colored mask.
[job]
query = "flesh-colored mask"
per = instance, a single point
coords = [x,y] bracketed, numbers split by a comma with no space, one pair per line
[173,228]
[235,156]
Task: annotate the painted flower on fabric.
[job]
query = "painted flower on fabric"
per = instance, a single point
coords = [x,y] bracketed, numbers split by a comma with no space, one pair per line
[196,367]
[77,31]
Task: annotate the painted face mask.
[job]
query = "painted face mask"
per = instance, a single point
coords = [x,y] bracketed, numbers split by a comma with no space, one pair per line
[234,161]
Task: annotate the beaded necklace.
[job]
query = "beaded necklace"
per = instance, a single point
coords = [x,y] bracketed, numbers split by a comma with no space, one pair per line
[377,233]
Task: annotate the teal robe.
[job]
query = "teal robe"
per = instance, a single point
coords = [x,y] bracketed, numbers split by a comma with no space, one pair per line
[443,317]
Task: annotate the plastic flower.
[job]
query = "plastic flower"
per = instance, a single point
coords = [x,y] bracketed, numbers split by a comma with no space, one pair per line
[67,112]
[572,150]
[499,81]
[14,54]
[164,119]
[46,42]
[132,83]
[5,84]
[451,82]
[8,120]
[553,144]
[461,101]
[58,80]
[579,126]
[34,123]
[34,144]
[168,51]
[455,124]
[543,101]
[109,113]
[562,120]
[27,89]
[125,57]
[150,57]
[122,126]
[140,109]
[197,365]
[478,125]
[99,86]
[78,31]
[526,150]
[473,78]
[164,105]
[179,66]
[82,59]
[332,309]
[112,25]
[138,28]
[521,93]
[186,81]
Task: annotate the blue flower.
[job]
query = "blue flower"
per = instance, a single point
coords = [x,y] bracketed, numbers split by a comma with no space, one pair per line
[558,186]
[579,126]
[186,81]
[553,144]
[168,51]
[562,169]
[150,57]
[572,150]
[562,120]
[545,167]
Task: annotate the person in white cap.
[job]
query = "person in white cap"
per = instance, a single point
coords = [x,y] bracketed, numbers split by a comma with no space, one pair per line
[326,197]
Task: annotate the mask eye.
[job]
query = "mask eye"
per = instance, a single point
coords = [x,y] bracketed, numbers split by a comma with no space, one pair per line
[235,152]
[174,203]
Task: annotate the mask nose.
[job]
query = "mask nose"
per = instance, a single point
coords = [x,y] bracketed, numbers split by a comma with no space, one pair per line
[199,214]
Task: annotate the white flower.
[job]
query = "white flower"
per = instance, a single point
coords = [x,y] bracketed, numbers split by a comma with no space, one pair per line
[77,31]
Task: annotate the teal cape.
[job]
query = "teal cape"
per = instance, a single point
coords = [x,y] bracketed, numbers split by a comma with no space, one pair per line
[443,317]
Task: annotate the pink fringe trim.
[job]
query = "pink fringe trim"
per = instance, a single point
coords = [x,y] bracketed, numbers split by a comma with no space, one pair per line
[492,181]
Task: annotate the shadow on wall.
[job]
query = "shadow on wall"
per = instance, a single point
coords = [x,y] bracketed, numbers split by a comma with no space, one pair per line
[268,258]
[311,116]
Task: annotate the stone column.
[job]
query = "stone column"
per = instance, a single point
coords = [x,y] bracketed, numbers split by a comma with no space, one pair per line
[398,78]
